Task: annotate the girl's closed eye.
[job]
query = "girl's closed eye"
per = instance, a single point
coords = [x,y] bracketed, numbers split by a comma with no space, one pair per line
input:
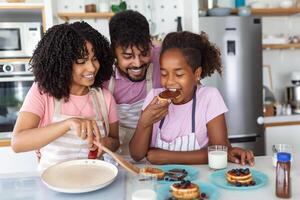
[81,61]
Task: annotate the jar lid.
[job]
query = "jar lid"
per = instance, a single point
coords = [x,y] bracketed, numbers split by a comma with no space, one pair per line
[283,157]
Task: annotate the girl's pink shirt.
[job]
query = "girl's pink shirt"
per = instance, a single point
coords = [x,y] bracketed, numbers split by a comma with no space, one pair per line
[209,105]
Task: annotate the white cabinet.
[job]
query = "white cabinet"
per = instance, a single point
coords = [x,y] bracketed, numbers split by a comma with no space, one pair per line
[12,162]
[283,135]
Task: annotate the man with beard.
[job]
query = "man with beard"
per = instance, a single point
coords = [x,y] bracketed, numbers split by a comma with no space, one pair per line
[136,69]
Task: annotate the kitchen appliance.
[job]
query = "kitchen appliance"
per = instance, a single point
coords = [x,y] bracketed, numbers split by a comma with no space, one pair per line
[19,39]
[15,81]
[239,40]
[293,93]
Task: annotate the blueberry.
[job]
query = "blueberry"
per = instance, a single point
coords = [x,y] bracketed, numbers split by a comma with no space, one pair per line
[203,195]
[238,184]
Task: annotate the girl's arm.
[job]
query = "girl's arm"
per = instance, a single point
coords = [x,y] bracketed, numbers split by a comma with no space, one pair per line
[140,142]
[27,136]
[217,134]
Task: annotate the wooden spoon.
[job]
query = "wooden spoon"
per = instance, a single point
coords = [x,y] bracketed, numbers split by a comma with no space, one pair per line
[124,163]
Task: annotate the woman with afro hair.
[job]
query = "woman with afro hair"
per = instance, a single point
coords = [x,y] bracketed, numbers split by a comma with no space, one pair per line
[66,110]
[180,131]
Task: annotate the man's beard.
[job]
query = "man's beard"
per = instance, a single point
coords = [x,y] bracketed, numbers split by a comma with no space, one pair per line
[135,79]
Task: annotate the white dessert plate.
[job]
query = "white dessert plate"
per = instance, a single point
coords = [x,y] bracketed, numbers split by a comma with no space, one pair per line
[79,176]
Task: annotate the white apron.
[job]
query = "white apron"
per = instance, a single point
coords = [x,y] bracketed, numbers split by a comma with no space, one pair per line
[129,114]
[184,143]
[69,146]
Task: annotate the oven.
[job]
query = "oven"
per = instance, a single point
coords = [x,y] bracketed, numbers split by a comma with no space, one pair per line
[15,81]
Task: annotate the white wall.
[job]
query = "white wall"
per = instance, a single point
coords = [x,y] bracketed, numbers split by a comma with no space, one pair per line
[282,62]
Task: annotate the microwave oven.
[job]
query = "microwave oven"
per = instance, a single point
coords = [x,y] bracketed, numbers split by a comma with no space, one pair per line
[19,39]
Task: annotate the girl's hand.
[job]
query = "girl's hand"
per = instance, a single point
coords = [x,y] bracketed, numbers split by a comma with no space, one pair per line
[86,129]
[154,112]
[240,156]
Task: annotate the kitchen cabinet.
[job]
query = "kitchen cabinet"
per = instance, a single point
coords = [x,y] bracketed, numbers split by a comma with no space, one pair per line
[12,162]
[282,130]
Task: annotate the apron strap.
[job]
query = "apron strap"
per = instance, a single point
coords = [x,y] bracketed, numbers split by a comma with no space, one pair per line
[149,82]
[103,108]
[57,107]
[193,114]
[112,81]
[194,111]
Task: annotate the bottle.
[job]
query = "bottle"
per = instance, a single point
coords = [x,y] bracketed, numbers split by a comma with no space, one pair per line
[283,178]
[179,26]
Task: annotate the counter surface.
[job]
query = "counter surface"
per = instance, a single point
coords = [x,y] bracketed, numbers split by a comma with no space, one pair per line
[29,186]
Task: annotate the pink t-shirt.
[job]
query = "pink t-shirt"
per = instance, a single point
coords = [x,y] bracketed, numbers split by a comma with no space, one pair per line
[43,105]
[128,92]
[178,122]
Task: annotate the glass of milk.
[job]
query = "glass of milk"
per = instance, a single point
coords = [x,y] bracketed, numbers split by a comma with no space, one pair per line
[288,148]
[143,187]
[217,156]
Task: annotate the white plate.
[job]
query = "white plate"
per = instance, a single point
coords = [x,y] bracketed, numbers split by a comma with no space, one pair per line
[78,176]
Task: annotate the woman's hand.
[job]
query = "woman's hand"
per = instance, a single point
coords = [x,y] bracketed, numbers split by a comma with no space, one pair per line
[240,156]
[154,112]
[86,129]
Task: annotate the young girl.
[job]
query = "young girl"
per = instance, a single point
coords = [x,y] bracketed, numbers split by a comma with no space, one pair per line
[181,131]
[66,110]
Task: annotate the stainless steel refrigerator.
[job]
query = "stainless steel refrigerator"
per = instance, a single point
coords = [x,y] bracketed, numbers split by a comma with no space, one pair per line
[240,43]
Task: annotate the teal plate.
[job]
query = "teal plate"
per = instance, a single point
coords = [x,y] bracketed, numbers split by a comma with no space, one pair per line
[210,190]
[219,179]
[192,172]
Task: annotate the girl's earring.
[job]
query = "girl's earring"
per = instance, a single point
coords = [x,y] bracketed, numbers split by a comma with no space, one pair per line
[198,81]
[115,62]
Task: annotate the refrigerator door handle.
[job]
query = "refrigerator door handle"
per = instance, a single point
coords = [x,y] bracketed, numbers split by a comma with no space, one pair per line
[243,139]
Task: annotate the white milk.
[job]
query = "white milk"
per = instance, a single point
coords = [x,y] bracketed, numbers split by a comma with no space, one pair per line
[144,194]
[217,159]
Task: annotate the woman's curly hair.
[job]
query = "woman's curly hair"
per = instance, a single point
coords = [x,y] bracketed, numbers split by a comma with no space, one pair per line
[53,59]
[129,28]
[197,50]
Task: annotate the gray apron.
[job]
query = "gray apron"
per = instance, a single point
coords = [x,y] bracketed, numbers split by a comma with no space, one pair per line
[129,114]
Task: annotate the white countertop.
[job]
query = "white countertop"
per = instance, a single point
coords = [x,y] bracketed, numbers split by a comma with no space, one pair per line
[263,164]
[281,118]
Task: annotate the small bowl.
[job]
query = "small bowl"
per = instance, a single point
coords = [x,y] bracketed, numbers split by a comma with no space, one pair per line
[244,11]
[219,11]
